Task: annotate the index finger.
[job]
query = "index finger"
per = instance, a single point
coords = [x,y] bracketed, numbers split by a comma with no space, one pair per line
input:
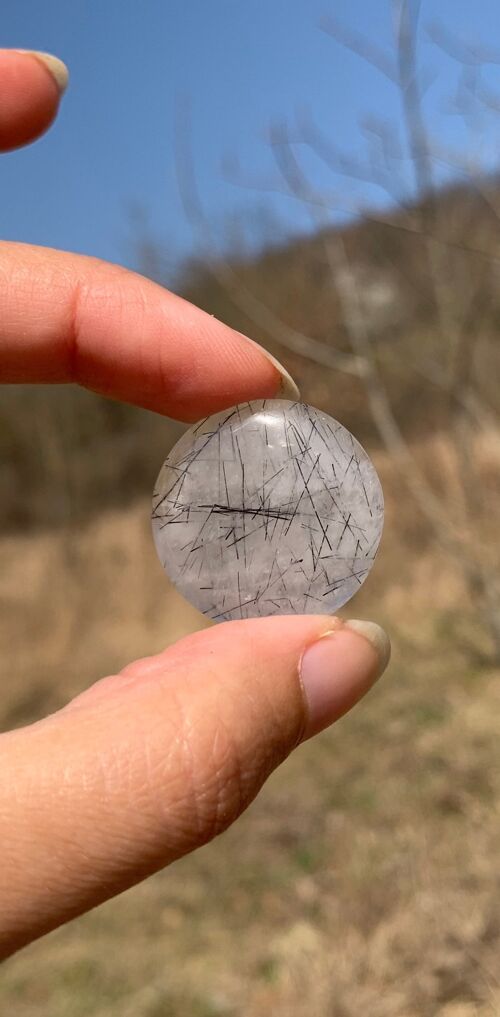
[70,318]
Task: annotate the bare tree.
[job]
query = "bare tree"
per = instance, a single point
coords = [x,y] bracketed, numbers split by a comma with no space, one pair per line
[460,268]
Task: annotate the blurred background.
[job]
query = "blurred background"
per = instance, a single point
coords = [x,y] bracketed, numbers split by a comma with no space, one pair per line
[324,176]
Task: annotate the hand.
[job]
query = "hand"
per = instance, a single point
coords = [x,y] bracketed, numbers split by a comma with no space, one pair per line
[150,763]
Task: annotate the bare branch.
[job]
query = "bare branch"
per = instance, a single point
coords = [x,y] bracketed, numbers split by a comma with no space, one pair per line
[297,342]
[359,45]
[471,54]
[410,94]
[388,178]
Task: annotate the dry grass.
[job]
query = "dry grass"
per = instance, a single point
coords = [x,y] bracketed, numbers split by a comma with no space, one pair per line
[364,880]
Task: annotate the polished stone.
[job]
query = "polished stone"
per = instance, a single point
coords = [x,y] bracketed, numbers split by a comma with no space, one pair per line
[270,507]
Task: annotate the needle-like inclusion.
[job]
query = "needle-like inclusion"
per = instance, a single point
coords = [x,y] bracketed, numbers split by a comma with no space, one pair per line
[270,507]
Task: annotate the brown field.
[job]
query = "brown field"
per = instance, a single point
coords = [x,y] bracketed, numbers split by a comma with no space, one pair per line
[365,879]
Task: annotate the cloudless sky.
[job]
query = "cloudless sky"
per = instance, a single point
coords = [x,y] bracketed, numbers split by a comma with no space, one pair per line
[244,63]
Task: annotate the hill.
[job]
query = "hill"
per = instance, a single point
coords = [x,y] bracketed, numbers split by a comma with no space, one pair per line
[425,282]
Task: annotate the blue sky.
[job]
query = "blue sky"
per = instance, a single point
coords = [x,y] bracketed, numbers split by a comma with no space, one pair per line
[244,63]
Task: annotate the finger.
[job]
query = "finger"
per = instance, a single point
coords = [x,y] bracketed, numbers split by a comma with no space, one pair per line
[68,318]
[31,85]
[149,764]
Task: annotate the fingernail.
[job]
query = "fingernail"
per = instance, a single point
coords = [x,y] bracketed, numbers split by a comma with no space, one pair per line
[287,387]
[54,65]
[339,668]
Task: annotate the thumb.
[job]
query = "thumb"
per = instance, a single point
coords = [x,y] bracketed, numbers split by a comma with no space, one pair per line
[151,763]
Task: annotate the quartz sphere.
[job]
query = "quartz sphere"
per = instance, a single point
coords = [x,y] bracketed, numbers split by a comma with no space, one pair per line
[271,507]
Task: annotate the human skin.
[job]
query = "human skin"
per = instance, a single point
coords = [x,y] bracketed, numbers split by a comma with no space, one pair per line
[150,763]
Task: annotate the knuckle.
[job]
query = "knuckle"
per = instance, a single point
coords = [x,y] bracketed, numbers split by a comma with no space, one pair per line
[205,777]
[218,777]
